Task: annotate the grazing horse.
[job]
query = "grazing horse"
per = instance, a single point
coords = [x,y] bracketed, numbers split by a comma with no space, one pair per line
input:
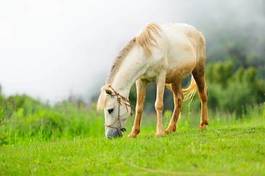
[165,54]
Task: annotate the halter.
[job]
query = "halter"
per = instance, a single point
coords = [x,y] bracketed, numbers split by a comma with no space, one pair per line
[121,100]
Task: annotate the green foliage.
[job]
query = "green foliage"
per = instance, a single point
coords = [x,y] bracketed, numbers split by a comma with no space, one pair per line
[233,89]
[23,103]
[22,116]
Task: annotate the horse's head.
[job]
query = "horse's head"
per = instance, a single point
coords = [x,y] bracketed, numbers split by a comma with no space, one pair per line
[116,110]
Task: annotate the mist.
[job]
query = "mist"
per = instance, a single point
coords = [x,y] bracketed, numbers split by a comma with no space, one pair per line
[52,49]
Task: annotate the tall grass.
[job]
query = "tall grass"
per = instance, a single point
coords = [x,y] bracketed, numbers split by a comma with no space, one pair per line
[65,120]
[31,120]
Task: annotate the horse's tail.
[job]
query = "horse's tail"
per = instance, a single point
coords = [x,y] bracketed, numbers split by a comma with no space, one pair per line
[190,91]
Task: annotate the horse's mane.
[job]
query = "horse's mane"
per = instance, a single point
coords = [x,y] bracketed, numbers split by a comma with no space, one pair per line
[146,39]
[119,59]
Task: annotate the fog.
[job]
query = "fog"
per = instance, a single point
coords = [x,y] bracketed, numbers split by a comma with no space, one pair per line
[55,48]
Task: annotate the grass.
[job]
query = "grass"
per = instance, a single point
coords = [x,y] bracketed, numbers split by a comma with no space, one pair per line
[227,147]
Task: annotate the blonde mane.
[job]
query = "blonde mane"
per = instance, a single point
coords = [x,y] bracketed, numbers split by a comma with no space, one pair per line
[119,59]
[146,39]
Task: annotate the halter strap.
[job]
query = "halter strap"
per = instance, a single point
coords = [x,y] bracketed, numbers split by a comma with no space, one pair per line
[121,100]
[124,99]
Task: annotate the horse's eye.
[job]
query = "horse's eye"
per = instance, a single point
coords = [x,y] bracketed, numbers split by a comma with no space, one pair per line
[110,110]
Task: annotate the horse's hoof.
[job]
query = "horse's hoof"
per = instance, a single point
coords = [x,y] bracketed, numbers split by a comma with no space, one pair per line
[132,135]
[160,134]
[203,125]
[170,130]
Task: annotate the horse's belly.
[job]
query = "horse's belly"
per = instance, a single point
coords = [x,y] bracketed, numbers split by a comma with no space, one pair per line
[180,66]
[178,73]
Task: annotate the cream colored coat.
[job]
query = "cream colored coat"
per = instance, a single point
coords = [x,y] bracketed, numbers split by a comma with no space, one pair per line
[164,53]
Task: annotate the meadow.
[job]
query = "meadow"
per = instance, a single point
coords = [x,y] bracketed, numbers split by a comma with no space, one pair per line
[68,139]
[60,52]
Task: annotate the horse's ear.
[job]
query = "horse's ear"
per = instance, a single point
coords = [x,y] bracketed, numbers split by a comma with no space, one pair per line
[101,101]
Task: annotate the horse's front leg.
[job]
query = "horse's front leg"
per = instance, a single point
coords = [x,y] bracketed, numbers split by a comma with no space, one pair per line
[159,103]
[141,92]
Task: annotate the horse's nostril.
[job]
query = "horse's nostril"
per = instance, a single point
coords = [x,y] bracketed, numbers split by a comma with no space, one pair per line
[123,129]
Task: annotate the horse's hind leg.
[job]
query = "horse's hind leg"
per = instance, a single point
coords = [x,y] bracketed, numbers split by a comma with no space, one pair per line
[178,97]
[199,76]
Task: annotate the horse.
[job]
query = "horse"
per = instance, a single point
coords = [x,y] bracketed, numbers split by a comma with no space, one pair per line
[161,53]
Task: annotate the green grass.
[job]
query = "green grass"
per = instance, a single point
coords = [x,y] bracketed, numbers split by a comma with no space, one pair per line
[228,147]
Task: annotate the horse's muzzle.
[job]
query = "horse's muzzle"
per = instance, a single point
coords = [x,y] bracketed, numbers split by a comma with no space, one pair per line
[114,132]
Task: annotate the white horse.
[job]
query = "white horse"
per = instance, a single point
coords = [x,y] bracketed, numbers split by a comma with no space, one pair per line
[163,53]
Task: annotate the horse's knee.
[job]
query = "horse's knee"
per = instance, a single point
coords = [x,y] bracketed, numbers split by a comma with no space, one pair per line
[159,106]
[139,109]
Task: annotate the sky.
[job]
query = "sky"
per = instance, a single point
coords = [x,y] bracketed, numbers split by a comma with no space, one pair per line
[55,48]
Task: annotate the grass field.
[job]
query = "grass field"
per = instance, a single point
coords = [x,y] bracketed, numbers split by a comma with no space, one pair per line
[227,147]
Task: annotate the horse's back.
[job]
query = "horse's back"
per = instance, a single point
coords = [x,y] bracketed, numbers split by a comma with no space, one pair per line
[182,53]
[182,40]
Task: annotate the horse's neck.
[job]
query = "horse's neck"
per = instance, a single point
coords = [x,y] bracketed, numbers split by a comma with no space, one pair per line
[133,66]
